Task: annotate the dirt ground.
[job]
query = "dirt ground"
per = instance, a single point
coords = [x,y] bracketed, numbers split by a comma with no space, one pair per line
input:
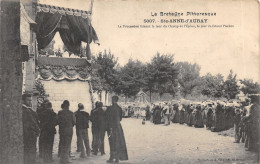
[153,144]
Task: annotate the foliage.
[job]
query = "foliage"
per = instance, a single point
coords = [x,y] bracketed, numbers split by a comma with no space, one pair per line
[42,93]
[230,86]
[189,77]
[212,86]
[249,87]
[40,88]
[131,78]
[163,74]
[104,74]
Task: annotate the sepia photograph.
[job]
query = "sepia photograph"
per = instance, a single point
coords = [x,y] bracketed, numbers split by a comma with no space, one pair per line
[129,81]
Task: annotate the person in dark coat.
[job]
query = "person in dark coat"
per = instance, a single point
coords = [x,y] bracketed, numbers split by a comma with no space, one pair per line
[48,121]
[77,132]
[98,117]
[147,113]
[204,114]
[31,130]
[66,121]
[222,117]
[190,118]
[93,120]
[217,119]
[82,125]
[186,113]
[157,115]
[39,110]
[198,121]
[242,125]
[194,111]
[209,117]
[230,117]
[225,118]
[102,126]
[176,113]
[118,150]
[253,124]
[95,130]
[237,120]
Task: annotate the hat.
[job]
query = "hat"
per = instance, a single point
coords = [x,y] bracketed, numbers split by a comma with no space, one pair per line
[48,105]
[80,106]
[25,95]
[66,103]
[100,104]
[115,98]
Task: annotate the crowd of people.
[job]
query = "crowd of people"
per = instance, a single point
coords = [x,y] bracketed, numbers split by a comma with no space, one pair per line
[42,124]
[216,116]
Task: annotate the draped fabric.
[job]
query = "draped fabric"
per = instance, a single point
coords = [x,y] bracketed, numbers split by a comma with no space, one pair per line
[81,27]
[46,28]
[63,72]
[50,20]
[70,40]
[83,30]
[44,42]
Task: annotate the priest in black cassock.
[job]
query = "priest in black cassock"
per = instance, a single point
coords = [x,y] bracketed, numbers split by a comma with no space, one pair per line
[118,150]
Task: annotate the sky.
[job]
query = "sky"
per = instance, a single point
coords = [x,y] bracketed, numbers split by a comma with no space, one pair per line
[216,50]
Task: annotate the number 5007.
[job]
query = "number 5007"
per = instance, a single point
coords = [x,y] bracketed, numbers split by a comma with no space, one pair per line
[149,20]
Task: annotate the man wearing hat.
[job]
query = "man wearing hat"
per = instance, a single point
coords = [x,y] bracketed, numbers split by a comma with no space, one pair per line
[39,110]
[118,150]
[31,129]
[94,130]
[48,121]
[101,127]
[66,121]
[82,120]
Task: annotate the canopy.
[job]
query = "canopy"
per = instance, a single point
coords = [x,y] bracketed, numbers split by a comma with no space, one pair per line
[73,25]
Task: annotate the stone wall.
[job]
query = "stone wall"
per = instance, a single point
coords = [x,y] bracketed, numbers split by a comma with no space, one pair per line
[28,37]
[11,127]
[75,91]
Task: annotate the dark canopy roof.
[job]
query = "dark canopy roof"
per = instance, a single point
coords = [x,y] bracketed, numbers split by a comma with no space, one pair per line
[59,61]
[73,25]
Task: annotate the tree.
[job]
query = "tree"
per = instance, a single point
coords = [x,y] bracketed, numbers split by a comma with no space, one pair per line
[131,78]
[42,93]
[149,80]
[249,87]
[104,72]
[189,77]
[162,75]
[212,86]
[230,86]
